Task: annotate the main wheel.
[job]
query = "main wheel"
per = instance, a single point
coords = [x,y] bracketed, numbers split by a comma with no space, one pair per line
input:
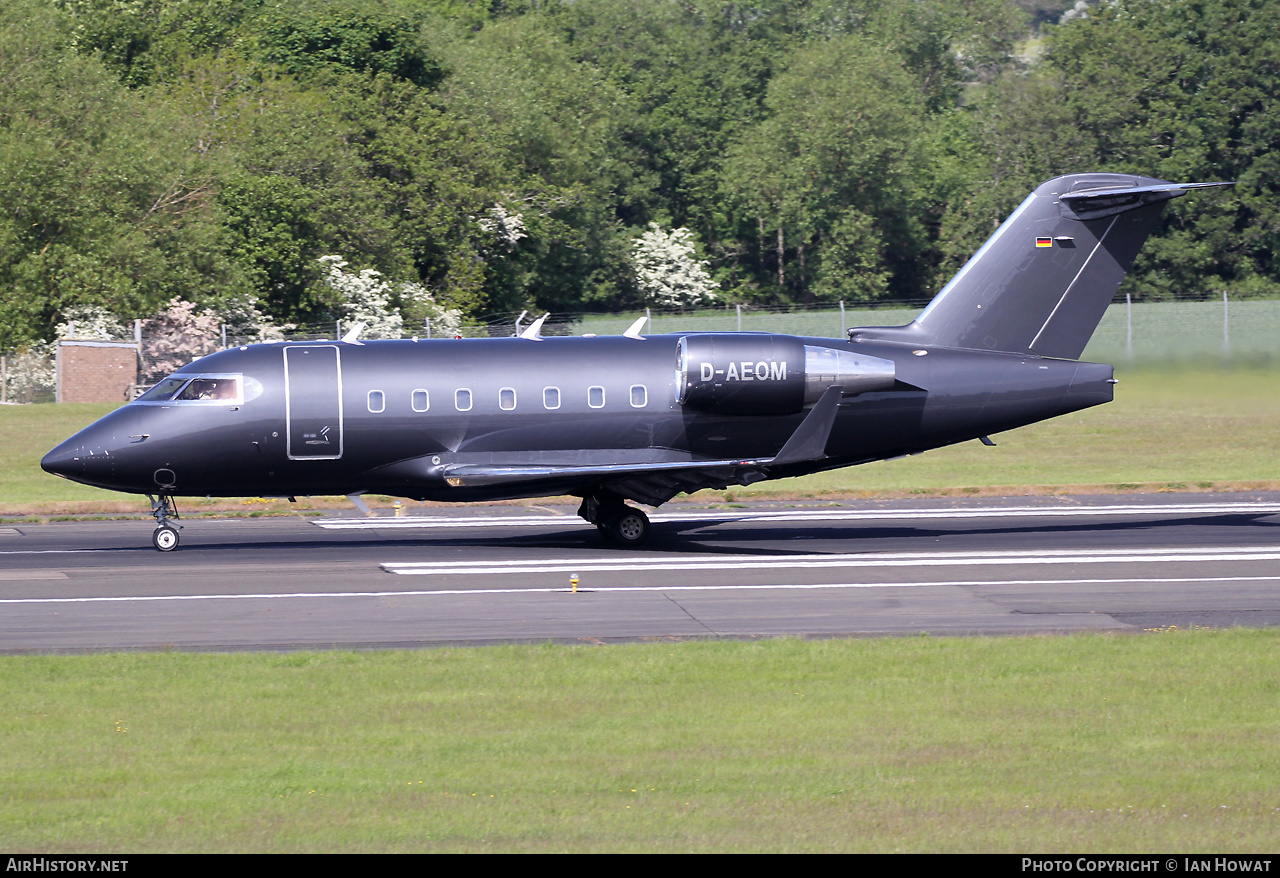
[165,538]
[628,528]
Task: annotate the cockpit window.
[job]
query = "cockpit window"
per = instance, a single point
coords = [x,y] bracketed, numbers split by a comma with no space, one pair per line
[221,388]
[165,389]
[216,389]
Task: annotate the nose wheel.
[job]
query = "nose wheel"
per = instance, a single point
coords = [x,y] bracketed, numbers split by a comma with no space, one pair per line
[165,537]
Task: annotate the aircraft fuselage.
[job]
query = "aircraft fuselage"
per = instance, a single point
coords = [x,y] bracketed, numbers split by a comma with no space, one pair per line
[446,419]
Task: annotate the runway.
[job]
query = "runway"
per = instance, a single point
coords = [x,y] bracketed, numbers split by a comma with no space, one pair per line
[507,574]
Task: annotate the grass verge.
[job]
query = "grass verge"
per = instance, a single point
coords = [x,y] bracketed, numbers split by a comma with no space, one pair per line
[1098,743]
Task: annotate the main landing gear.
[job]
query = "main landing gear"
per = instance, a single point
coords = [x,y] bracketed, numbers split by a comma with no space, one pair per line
[621,524]
[165,537]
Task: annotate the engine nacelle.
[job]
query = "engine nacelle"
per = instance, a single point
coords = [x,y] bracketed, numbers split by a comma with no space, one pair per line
[758,374]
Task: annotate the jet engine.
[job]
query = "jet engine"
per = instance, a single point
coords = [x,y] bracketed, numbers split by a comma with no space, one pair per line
[762,374]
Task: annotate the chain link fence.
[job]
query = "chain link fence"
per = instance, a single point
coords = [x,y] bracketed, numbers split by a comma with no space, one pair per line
[1146,333]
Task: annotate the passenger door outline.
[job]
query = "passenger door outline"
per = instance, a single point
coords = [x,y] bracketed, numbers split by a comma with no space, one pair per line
[313,402]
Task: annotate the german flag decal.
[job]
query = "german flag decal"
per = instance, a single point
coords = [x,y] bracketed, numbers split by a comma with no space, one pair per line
[1044,242]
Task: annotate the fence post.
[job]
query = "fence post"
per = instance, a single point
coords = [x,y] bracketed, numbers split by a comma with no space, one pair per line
[1128,324]
[739,307]
[4,378]
[137,339]
[427,321]
[843,323]
[1226,324]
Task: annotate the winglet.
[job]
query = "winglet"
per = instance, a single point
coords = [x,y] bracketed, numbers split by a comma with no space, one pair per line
[353,333]
[534,332]
[634,331]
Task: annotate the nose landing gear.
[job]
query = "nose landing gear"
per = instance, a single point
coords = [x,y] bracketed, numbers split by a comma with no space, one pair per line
[165,537]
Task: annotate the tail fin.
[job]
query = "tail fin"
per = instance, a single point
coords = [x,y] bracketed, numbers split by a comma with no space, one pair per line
[1041,283]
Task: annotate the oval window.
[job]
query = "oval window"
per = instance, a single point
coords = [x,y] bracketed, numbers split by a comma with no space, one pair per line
[377,402]
[507,398]
[462,399]
[595,397]
[639,396]
[551,397]
[421,401]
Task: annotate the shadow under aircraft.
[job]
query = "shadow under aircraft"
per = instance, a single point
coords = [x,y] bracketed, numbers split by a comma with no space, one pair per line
[612,419]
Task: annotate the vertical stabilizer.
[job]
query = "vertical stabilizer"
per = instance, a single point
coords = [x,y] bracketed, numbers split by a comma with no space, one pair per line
[1042,282]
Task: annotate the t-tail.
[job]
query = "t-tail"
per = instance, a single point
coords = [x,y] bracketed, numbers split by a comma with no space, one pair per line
[1042,282]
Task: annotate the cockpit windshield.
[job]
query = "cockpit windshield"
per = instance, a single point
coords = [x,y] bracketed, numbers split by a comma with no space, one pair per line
[163,390]
[224,389]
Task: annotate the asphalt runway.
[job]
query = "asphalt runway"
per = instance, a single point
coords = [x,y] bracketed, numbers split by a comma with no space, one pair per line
[503,574]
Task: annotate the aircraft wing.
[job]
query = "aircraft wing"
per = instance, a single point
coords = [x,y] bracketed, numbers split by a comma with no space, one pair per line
[650,476]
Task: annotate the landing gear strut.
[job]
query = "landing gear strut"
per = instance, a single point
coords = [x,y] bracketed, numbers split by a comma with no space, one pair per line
[622,524]
[163,508]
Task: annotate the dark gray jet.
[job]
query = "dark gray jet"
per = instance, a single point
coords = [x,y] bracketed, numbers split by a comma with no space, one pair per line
[612,419]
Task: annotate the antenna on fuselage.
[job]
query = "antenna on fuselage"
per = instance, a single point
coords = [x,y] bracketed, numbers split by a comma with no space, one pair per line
[534,332]
[634,331]
[353,333]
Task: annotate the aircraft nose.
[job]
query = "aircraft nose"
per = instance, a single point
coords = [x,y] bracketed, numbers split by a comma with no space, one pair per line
[79,461]
[88,457]
[61,461]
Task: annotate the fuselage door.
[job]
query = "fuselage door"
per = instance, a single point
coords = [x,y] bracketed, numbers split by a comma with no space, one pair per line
[313,402]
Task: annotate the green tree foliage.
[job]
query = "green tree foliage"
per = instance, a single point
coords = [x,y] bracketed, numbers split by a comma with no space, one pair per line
[1174,89]
[101,204]
[819,150]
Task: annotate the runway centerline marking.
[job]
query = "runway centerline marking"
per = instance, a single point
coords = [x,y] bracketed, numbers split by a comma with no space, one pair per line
[858,515]
[481,592]
[527,566]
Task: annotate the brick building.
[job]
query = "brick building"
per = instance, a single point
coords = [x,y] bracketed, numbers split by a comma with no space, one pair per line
[96,371]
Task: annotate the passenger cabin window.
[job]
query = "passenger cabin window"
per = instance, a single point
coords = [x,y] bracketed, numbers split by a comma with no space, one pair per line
[507,398]
[421,401]
[377,401]
[551,398]
[462,399]
[639,396]
[595,397]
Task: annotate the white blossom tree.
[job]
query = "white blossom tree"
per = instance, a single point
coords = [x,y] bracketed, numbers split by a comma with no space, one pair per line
[506,227]
[668,269]
[176,336]
[368,299]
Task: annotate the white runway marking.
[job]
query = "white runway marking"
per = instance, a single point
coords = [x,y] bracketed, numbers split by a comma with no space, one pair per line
[859,515]
[480,592]
[633,564]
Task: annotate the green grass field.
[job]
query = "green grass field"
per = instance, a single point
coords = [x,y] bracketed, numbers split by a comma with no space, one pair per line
[1090,743]
[1168,429]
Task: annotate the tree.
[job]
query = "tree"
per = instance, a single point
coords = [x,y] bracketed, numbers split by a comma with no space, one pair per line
[668,270]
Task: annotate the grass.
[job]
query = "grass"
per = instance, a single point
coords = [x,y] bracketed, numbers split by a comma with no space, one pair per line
[1098,743]
[1172,429]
